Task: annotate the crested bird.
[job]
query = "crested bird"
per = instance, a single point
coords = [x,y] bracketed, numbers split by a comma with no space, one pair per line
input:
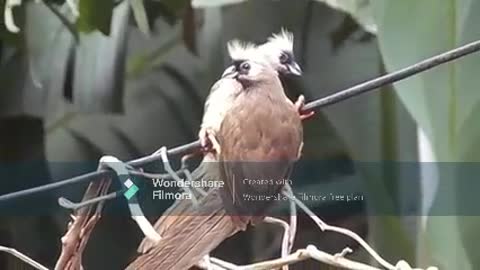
[276,53]
[260,137]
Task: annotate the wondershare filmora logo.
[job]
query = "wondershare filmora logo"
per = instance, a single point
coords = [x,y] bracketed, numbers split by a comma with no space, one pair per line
[131,189]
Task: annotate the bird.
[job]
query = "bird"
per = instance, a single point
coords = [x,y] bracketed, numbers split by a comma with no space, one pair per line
[276,52]
[260,137]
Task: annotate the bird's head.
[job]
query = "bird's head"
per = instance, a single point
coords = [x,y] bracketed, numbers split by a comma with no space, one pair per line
[239,52]
[278,52]
[249,72]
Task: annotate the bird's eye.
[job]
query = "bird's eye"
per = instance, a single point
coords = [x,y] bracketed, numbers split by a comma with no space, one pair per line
[285,58]
[245,67]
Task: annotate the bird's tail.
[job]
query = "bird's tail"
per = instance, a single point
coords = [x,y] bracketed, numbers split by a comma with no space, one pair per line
[191,237]
[206,170]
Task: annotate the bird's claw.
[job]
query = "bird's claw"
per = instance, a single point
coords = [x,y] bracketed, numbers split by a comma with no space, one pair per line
[299,106]
[208,141]
[204,141]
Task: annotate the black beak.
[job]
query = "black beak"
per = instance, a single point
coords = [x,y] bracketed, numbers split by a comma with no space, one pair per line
[294,69]
[230,72]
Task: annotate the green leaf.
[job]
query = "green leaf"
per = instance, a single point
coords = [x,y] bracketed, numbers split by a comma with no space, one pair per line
[23,72]
[360,10]
[147,61]
[13,75]
[140,15]
[100,66]
[126,141]
[59,123]
[444,102]
[174,7]
[95,15]
[87,145]
[44,30]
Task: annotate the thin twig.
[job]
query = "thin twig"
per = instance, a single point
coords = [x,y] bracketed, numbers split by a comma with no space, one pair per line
[210,263]
[80,228]
[155,175]
[145,226]
[401,265]
[311,252]
[286,235]
[317,104]
[136,213]
[293,219]
[188,175]
[66,203]
[166,165]
[325,227]
[23,257]
[222,263]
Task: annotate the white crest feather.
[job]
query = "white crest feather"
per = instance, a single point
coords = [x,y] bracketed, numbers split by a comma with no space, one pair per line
[239,50]
[282,40]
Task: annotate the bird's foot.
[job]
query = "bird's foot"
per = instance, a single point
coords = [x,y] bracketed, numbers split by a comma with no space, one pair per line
[299,105]
[208,141]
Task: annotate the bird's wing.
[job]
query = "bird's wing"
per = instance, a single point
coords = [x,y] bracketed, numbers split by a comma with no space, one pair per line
[218,102]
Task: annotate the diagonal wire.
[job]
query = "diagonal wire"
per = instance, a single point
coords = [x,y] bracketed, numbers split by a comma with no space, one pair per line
[96,175]
[316,104]
[23,257]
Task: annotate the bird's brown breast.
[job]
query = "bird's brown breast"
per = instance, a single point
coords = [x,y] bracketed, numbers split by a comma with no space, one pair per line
[260,126]
[260,138]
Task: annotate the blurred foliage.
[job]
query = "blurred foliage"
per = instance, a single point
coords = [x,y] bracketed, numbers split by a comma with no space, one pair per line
[88,65]
[71,72]
[140,15]
[95,15]
[444,103]
[99,67]
[360,10]
[154,58]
